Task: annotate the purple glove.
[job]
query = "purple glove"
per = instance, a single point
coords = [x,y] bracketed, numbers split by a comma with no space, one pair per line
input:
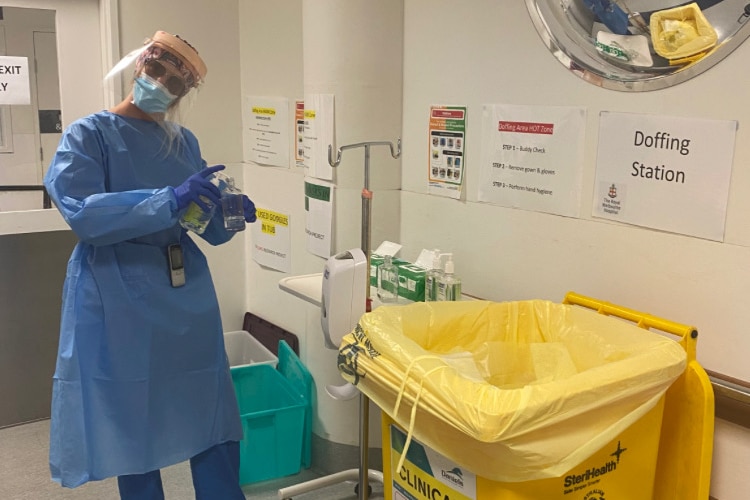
[196,186]
[249,208]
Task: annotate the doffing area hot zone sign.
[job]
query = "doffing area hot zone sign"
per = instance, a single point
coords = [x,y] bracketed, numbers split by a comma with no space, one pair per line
[532,157]
[666,173]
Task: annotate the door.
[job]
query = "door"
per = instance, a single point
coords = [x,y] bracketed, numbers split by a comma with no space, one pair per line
[47,98]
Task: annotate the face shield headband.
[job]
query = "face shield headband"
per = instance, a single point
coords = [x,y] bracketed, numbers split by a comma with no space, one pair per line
[166,49]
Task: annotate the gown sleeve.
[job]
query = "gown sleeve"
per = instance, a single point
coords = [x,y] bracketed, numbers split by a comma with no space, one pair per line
[77,183]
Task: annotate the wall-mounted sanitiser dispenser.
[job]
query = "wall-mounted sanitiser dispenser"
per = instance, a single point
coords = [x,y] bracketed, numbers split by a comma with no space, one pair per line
[345,278]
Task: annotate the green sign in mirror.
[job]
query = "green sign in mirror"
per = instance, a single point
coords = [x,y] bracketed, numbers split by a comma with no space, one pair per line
[640,45]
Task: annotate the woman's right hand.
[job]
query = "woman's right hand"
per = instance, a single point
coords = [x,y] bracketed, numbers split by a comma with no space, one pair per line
[196,186]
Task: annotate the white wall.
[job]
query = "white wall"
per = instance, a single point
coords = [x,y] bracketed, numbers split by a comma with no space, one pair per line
[495,56]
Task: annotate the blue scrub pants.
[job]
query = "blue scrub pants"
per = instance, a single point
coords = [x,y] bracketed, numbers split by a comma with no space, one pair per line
[216,474]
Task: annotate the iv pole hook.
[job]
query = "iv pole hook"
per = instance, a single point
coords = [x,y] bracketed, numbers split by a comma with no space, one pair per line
[395,153]
[366,193]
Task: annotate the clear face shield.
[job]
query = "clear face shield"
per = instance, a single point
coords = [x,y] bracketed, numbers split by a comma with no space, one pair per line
[167,68]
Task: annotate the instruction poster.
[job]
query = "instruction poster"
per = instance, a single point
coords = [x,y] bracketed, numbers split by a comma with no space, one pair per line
[666,173]
[318,135]
[426,473]
[271,240]
[532,157]
[299,132]
[447,143]
[319,217]
[14,80]
[267,138]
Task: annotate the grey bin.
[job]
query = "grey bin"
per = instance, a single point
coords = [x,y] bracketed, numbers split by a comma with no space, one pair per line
[244,349]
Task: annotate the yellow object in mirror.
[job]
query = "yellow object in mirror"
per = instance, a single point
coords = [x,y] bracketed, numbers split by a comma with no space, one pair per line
[681,32]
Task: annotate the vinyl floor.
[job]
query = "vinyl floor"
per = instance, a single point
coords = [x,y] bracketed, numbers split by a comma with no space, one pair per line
[24,475]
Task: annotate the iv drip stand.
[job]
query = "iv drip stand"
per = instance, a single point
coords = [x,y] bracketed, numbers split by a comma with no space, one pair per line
[364,401]
[366,195]
[364,474]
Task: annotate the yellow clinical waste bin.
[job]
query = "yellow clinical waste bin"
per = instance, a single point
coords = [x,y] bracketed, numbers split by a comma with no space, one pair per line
[533,400]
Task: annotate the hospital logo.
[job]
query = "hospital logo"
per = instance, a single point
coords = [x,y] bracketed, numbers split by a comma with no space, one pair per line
[612,198]
[454,476]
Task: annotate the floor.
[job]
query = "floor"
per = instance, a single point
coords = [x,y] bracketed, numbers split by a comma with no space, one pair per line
[24,475]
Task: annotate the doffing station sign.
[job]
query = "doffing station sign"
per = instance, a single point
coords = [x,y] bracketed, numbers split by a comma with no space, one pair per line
[665,173]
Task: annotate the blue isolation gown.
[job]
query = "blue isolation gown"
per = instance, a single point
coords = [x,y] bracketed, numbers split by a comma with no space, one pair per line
[142,379]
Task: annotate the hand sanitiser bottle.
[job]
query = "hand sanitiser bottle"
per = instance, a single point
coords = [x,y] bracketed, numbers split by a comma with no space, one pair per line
[452,283]
[231,205]
[432,278]
[195,218]
[388,280]
[440,281]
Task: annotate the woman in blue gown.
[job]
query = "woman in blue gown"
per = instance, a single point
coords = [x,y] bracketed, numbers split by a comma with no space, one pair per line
[142,380]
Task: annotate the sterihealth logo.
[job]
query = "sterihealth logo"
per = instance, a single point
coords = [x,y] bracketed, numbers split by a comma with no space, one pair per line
[596,472]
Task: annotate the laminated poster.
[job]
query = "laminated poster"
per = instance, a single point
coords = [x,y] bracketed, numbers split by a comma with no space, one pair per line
[266,137]
[318,135]
[447,144]
[271,240]
[426,473]
[14,80]
[299,132]
[319,217]
[532,157]
[666,173]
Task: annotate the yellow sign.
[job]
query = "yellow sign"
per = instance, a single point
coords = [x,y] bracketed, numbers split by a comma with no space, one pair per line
[264,111]
[272,217]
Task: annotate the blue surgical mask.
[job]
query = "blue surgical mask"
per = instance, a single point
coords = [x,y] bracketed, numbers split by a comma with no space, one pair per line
[151,96]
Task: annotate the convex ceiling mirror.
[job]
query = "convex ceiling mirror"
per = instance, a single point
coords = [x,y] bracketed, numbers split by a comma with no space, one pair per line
[640,45]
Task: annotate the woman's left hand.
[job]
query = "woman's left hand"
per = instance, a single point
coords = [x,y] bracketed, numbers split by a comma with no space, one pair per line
[249,208]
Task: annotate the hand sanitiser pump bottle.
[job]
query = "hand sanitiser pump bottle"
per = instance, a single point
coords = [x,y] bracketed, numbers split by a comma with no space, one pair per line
[388,280]
[433,277]
[451,283]
[440,279]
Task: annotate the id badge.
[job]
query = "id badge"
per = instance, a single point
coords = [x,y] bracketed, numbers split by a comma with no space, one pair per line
[176,266]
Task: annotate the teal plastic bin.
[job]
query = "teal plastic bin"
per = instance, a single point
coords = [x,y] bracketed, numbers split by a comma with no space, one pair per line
[276,413]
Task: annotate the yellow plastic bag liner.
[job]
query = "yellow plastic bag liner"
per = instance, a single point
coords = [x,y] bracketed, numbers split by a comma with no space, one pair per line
[512,391]
[681,32]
